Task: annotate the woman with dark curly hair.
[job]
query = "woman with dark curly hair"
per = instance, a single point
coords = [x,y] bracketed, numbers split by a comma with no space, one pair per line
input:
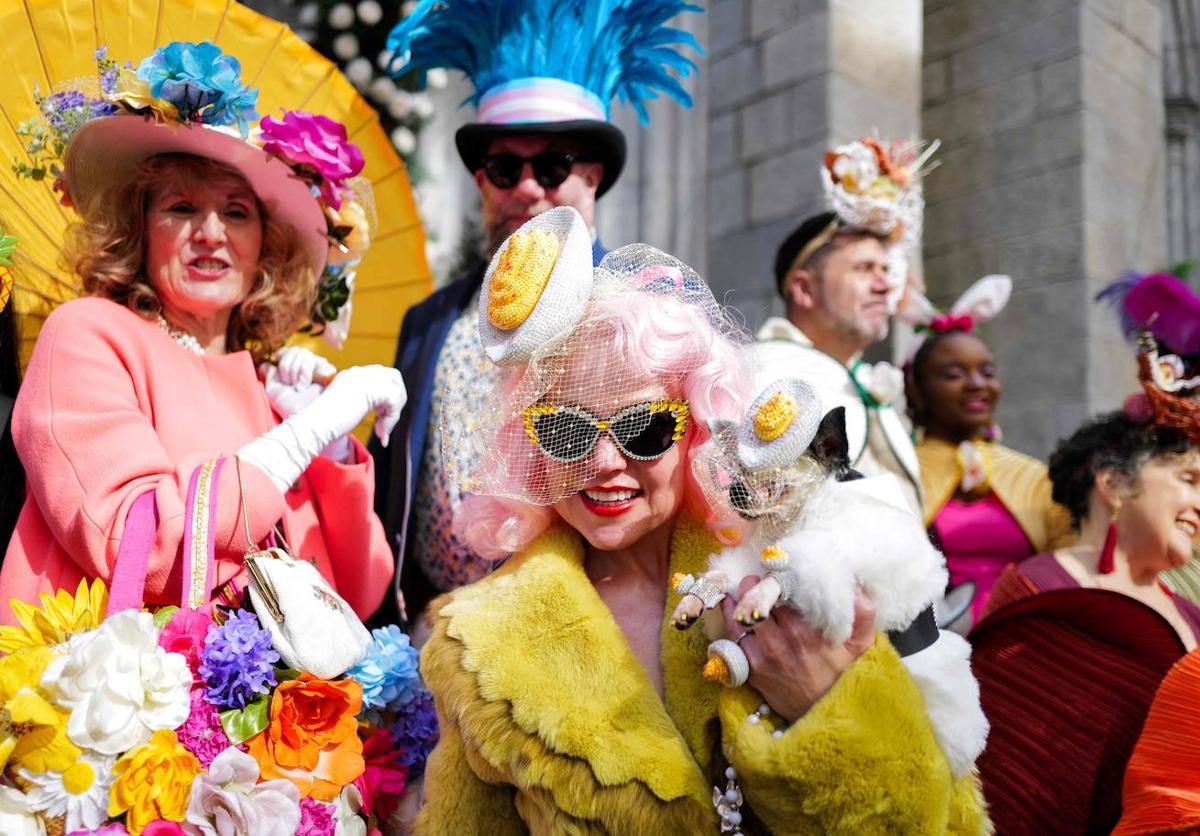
[199,247]
[1074,642]
[1090,629]
[1133,491]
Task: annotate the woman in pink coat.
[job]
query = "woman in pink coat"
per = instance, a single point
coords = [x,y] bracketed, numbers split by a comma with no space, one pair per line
[200,253]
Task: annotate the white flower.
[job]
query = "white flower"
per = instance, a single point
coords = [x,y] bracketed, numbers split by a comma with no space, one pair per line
[119,685]
[882,381]
[17,818]
[80,792]
[228,801]
[855,166]
[346,815]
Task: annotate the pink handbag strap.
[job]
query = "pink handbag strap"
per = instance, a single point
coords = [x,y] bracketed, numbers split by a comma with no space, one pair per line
[129,572]
[199,544]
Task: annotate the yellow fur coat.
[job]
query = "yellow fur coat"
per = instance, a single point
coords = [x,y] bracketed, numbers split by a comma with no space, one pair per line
[550,725]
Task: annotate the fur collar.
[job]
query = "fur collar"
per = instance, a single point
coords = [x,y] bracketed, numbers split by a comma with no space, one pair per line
[538,639]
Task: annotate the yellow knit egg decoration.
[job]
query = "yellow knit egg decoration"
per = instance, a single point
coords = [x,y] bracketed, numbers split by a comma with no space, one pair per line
[774,553]
[775,416]
[715,670]
[521,276]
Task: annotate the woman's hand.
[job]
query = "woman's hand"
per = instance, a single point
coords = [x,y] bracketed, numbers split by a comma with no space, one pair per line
[290,387]
[357,391]
[298,366]
[284,452]
[791,664]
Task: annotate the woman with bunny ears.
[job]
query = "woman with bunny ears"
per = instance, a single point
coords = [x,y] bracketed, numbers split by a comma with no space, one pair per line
[566,701]
[987,505]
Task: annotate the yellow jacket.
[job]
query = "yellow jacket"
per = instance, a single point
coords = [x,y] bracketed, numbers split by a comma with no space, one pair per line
[1019,481]
[550,725]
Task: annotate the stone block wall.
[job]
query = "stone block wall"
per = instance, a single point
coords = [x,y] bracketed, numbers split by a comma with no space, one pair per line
[1043,106]
[787,79]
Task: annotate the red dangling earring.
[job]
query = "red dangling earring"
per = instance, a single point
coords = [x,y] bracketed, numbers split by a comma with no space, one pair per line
[1107,558]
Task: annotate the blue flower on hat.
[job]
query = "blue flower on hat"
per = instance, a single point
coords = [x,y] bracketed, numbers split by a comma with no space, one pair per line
[202,82]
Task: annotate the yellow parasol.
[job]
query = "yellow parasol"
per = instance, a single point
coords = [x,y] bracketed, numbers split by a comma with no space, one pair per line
[48,42]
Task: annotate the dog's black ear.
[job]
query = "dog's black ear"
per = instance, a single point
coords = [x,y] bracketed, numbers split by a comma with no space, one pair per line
[830,447]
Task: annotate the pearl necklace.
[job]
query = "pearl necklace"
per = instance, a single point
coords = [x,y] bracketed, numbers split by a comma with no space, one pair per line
[182,337]
[729,801]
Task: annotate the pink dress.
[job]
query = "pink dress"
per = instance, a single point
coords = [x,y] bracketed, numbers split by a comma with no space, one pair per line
[111,407]
[979,539]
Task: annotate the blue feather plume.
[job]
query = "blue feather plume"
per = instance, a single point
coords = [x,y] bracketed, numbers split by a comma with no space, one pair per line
[1114,295]
[615,48]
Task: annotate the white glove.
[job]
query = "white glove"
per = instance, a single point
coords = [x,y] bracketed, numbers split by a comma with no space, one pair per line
[287,400]
[284,452]
[290,388]
[298,366]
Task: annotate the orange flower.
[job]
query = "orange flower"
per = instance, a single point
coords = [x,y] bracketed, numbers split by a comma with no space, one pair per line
[312,738]
[886,167]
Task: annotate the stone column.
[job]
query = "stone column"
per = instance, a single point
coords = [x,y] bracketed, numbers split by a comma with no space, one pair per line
[787,79]
[1051,112]
[1181,94]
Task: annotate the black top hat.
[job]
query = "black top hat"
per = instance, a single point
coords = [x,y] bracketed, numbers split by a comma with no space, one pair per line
[550,68]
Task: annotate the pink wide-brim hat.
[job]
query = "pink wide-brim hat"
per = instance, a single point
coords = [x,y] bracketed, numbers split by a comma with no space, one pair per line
[106,151]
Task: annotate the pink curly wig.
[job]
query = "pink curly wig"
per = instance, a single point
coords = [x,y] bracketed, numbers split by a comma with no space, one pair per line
[694,353]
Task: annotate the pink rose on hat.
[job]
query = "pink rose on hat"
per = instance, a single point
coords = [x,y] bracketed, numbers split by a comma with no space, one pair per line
[317,146]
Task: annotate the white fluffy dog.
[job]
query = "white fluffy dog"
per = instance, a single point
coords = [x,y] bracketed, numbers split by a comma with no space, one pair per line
[818,533]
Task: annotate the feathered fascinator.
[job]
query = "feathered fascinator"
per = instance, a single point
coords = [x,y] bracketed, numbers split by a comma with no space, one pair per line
[875,187]
[550,66]
[1162,315]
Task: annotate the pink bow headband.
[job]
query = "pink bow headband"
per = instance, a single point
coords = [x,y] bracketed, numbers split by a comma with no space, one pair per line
[979,304]
[945,323]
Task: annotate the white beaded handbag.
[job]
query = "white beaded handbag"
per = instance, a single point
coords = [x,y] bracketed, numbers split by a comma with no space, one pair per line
[312,627]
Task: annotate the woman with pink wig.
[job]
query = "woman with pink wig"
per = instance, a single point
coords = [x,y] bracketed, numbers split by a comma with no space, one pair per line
[566,701]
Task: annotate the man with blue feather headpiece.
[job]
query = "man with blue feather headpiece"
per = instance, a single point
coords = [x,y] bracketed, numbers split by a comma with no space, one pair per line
[545,73]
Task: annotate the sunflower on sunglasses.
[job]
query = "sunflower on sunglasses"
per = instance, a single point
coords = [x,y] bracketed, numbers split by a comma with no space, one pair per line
[642,431]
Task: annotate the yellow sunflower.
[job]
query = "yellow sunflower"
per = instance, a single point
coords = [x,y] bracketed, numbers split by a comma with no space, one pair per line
[60,616]
[33,732]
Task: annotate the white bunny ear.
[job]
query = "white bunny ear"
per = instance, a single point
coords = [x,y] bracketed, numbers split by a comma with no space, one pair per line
[779,425]
[917,309]
[536,287]
[984,299]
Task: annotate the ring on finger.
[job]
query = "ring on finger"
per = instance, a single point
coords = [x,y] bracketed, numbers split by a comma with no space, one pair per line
[742,635]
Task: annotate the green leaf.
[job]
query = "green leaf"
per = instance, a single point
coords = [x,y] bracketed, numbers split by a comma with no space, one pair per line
[287,674]
[164,615]
[243,724]
[1183,269]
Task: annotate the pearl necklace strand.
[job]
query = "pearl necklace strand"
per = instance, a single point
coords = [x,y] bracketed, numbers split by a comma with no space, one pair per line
[180,336]
[729,801]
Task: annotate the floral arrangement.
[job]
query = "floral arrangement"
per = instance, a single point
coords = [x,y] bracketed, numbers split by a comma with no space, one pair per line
[876,187]
[197,84]
[181,722]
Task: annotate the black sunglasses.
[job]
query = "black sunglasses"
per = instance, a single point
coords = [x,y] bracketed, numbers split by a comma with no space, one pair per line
[550,168]
[643,431]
